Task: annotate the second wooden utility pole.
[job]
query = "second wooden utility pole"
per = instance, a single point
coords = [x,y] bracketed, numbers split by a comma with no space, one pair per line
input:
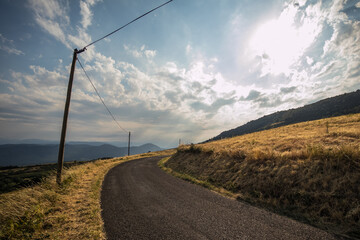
[129,144]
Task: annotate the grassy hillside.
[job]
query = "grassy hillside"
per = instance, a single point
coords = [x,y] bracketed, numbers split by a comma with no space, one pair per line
[12,178]
[69,211]
[310,170]
[348,103]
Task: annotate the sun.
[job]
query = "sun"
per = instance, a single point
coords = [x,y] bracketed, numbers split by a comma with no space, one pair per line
[281,42]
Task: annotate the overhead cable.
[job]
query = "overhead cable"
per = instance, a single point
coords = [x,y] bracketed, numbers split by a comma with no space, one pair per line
[101,98]
[127,24]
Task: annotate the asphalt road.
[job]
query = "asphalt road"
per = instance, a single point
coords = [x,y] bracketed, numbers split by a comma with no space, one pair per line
[140,201]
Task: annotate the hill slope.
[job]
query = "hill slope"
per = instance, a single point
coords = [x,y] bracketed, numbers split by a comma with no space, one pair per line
[32,154]
[309,171]
[336,106]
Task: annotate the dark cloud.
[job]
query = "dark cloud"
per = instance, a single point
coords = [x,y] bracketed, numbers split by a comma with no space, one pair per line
[213,82]
[197,106]
[287,90]
[172,96]
[253,94]
[269,101]
[169,76]
[344,32]
[222,102]
[265,56]
[355,74]
[352,12]
[214,107]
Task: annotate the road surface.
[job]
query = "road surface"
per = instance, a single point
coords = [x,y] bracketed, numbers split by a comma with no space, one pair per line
[140,201]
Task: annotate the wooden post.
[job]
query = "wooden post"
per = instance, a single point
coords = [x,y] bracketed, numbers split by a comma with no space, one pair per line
[65,118]
[129,144]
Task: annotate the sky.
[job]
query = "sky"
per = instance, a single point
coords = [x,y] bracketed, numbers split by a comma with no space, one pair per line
[188,70]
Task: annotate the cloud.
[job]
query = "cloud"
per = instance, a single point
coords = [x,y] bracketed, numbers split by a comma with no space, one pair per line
[326,63]
[8,46]
[282,42]
[150,53]
[52,17]
[188,49]
[341,52]
[11,50]
[316,50]
[214,107]
[85,13]
[165,94]
[252,95]
[49,9]
[286,90]
[140,53]
[33,100]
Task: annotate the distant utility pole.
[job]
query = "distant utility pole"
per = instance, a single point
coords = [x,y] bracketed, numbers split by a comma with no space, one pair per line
[66,114]
[129,144]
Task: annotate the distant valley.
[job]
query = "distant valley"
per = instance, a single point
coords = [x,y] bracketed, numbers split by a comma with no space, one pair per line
[33,154]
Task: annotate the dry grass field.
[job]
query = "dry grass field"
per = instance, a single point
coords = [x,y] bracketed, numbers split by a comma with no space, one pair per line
[309,171]
[69,211]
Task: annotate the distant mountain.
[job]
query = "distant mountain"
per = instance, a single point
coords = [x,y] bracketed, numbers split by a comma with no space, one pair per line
[52,142]
[33,154]
[335,106]
[27,141]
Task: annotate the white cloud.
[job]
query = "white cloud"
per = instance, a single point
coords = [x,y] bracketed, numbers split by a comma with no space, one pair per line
[8,46]
[11,50]
[85,11]
[86,14]
[150,53]
[323,64]
[140,53]
[37,100]
[309,60]
[50,9]
[188,49]
[52,17]
[196,98]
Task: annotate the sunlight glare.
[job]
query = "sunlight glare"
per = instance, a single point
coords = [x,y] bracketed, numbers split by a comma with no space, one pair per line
[280,43]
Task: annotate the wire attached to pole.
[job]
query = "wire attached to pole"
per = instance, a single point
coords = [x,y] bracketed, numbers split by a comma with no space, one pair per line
[101,97]
[126,24]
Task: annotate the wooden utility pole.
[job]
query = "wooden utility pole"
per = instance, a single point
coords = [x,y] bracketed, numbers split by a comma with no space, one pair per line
[66,114]
[129,144]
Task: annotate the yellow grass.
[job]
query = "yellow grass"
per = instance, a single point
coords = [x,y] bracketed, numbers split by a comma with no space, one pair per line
[71,211]
[310,171]
[292,140]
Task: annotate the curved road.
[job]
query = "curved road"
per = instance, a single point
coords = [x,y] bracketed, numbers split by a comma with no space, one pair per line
[140,201]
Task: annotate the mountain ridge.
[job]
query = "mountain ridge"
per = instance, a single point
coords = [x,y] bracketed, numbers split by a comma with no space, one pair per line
[33,154]
[347,103]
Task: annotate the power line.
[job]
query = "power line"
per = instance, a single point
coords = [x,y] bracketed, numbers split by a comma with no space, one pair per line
[101,98]
[127,24]
[68,96]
